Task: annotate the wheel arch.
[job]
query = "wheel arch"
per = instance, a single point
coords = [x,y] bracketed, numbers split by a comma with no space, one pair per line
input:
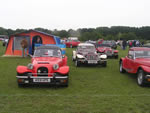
[139,68]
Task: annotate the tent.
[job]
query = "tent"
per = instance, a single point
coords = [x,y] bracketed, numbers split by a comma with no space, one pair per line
[14,47]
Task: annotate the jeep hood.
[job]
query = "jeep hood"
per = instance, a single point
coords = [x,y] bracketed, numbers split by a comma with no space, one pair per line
[103,49]
[47,60]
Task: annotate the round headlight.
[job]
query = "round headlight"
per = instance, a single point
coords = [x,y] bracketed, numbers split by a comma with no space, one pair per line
[55,66]
[30,66]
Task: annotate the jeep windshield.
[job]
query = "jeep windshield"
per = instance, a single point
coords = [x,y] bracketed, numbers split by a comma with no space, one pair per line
[86,48]
[47,53]
[142,54]
[103,45]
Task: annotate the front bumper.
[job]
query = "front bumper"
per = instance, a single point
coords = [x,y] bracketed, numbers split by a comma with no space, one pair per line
[112,55]
[94,62]
[52,80]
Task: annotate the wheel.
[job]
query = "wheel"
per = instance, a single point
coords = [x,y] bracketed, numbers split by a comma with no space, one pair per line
[121,68]
[116,57]
[3,44]
[140,78]
[73,58]
[21,85]
[70,45]
[67,84]
[77,63]
[104,64]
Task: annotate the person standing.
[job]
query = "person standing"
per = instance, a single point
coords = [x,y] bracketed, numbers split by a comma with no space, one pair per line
[38,40]
[130,44]
[124,44]
[24,45]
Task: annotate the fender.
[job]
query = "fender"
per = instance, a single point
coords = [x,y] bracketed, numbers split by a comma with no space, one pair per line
[74,54]
[65,60]
[145,68]
[23,69]
[101,50]
[63,70]
[116,51]
[123,60]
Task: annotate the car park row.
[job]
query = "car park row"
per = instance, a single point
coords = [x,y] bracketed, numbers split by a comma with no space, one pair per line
[49,66]
[49,63]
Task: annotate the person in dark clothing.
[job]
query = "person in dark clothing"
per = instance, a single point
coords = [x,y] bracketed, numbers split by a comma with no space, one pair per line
[124,44]
[134,43]
[37,40]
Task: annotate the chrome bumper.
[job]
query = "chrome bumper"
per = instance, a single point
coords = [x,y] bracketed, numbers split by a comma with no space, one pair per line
[41,77]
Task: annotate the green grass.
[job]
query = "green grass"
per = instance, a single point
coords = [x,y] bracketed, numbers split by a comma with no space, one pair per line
[91,90]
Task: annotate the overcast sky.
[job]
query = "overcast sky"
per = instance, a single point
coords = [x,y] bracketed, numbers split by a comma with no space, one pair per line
[66,14]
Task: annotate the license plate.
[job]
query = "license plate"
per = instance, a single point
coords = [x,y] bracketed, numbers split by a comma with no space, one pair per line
[92,62]
[41,80]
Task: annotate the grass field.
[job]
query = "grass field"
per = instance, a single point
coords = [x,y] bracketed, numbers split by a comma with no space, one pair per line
[91,90]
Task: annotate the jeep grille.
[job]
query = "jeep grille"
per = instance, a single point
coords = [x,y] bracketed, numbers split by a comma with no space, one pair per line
[42,71]
[91,57]
[109,52]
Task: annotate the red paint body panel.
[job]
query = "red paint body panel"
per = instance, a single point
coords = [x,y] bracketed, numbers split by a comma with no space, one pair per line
[103,49]
[47,62]
[73,43]
[63,70]
[107,50]
[23,69]
[132,65]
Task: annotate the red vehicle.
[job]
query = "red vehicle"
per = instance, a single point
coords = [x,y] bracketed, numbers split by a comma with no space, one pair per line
[48,66]
[72,43]
[137,62]
[106,49]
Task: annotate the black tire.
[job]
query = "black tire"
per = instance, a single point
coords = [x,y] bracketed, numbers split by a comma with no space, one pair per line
[116,57]
[104,64]
[21,85]
[73,58]
[67,84]
[3,44]
[141,78]
[121,68]
[77,63]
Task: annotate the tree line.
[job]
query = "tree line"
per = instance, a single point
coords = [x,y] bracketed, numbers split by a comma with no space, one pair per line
[107,33]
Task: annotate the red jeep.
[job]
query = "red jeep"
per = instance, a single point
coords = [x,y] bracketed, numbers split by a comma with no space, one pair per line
[106,49]
[137,62]
[72,43]
[48,66]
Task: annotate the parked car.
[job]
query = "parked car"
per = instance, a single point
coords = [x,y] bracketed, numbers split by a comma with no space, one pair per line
[146,45]
[5,41]
[91,42]
[137,62]
[86,54]
[48,66]
[111,43]
[106,49]
[72,43]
